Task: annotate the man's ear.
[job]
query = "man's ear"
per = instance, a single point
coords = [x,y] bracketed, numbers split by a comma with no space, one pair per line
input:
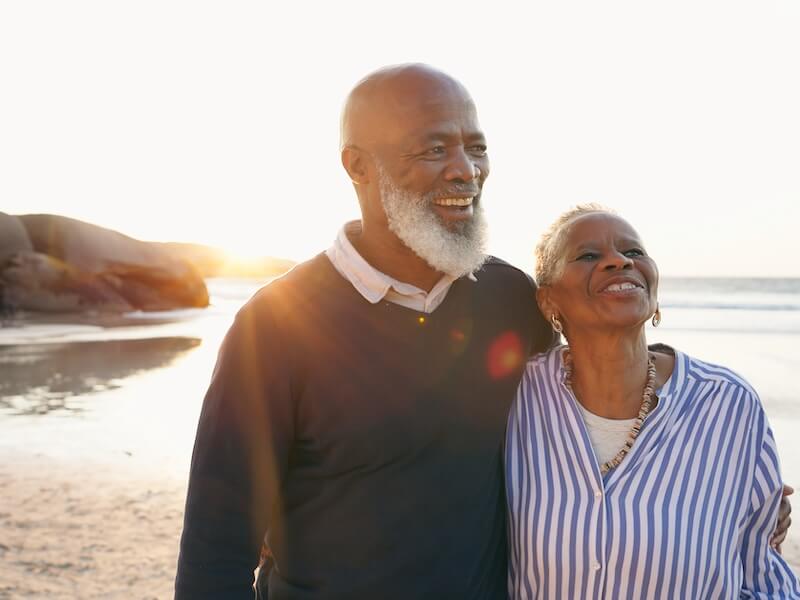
[355,162]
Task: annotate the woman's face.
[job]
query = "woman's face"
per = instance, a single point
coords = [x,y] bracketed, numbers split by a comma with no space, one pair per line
[606,281]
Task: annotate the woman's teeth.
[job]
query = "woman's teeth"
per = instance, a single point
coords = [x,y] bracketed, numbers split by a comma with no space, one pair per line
[618,287]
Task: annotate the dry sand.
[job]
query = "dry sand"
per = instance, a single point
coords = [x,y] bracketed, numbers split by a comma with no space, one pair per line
[98,533]
[67,533]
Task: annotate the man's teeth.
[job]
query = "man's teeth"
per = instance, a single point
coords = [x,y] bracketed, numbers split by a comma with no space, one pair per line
[618,287]
[453,201]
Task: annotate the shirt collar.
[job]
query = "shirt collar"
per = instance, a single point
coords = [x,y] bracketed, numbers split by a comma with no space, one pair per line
[371,283]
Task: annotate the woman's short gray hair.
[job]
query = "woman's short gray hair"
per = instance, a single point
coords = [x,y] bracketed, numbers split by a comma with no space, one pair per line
[550,249]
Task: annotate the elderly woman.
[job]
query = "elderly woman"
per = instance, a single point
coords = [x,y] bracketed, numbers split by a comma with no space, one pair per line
[633,472]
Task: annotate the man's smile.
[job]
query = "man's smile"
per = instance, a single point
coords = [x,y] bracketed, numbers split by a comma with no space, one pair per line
[461,202]
[454,208]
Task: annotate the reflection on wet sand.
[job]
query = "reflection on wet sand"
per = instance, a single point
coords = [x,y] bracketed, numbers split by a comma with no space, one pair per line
[43,378]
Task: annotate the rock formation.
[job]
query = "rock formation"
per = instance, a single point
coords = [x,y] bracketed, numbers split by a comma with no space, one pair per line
[65,265]
[13,237]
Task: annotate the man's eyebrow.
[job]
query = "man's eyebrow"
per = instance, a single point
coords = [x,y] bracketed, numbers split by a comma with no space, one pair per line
[444,135]
[476,137]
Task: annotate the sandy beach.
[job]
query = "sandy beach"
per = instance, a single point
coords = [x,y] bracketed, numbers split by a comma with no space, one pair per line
[96,429]
[94,532]
[97,424]
[98,533]
[68,532]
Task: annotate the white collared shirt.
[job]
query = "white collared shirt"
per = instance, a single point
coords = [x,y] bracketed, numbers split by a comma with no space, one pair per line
[374,285]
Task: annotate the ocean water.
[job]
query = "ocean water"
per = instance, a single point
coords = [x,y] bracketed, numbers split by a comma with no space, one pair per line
[130,395]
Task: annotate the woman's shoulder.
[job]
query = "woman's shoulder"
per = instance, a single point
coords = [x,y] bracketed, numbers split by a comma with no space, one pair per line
[699,371]
[552,354]
[541,379]
[545,364]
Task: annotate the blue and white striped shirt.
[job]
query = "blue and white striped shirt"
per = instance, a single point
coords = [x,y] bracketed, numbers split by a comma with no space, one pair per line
[687,515]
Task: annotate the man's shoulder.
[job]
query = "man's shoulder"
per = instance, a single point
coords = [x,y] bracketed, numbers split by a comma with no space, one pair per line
[513,291]
[311,273]
[497,268]
[298,286]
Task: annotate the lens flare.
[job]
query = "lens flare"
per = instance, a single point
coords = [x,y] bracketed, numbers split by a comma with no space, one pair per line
[505,355]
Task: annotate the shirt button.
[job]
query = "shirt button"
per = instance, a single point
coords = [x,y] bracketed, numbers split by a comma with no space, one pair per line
[596,566]
[598,493]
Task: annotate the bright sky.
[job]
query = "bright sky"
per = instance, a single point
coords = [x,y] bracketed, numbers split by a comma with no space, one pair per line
[217,122]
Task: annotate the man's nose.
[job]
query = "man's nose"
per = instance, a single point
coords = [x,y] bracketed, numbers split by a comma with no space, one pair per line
[462,167]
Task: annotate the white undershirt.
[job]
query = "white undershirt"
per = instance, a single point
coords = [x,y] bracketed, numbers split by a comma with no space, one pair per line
[607,435]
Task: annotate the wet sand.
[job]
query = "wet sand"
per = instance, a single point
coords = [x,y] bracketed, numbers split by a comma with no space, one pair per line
[95,439]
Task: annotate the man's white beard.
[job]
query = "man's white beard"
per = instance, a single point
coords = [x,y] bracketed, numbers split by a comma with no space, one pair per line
[411,217]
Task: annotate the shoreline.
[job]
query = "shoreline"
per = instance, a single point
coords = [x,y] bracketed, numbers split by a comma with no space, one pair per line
[54,328]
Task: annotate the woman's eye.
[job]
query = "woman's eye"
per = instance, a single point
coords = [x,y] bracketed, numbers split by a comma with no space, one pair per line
[634,252]
[587,256]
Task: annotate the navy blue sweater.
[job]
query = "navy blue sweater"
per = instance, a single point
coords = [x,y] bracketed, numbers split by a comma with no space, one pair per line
[365,439]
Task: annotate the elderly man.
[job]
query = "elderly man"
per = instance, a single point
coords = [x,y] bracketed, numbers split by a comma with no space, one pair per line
[357,410]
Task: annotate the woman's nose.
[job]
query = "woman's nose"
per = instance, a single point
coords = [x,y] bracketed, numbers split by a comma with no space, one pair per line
[616,260]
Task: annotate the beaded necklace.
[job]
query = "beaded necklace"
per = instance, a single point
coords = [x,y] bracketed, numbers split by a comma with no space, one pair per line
[647,397]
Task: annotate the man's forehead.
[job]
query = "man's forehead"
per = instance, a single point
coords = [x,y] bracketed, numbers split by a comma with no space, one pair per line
[418,100]
[425,117]
[413,91]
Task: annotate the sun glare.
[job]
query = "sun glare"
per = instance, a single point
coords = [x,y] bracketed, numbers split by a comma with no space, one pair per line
[244,254]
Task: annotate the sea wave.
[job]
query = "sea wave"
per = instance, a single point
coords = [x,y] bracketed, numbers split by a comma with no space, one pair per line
[700,305]
[179,314]
[704,294]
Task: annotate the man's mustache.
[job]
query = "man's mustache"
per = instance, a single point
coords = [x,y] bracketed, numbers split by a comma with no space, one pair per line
[457,190]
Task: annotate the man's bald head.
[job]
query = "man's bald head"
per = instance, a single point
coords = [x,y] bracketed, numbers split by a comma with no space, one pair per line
[375,108]
[412,146]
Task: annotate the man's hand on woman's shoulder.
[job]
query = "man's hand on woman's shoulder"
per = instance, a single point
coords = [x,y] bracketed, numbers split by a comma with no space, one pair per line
[784,519]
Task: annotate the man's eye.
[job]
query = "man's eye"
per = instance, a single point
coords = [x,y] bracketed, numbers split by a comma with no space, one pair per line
[436,150]
[478,149]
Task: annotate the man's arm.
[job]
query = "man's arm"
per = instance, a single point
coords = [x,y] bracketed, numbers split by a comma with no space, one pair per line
[784,518]
[766,574]
[238,463]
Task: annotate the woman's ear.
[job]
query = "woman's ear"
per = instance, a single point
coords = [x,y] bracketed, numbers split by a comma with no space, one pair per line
[544,299]
[548,308]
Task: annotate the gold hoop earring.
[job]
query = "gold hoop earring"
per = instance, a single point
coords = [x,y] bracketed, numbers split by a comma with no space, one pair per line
[557,326]
[656,320]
